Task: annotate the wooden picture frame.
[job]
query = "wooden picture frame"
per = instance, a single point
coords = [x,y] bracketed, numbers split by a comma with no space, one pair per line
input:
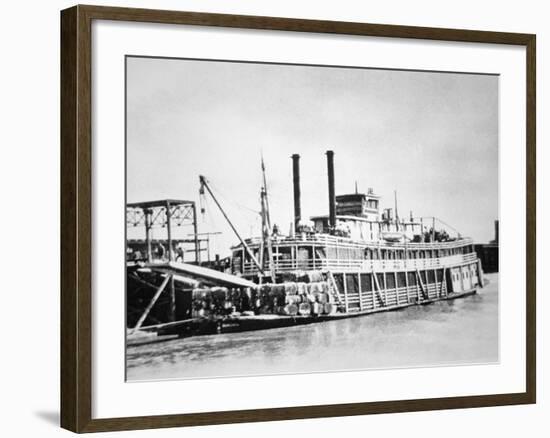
[76,217]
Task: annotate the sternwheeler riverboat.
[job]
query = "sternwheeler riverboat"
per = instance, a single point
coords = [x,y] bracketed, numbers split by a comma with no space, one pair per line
[356,260]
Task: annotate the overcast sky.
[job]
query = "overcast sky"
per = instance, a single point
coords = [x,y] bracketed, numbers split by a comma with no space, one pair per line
[433,137]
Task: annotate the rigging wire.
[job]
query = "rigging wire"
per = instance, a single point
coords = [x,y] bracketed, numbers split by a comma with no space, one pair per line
[230,200]
[442,222]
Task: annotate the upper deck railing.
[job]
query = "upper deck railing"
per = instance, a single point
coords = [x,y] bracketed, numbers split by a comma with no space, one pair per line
[329,240]
[351,265]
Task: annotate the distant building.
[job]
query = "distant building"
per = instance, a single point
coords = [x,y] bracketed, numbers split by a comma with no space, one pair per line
[488,252]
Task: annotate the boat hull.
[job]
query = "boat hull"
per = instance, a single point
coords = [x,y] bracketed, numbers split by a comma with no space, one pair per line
[235,324]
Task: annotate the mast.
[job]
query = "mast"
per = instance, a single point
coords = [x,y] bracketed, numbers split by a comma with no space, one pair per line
[265,193]
[266,226]
[204,184]
[396,213]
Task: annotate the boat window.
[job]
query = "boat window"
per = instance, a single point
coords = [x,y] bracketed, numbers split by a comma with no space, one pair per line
[304,255]
[237,262]
[366,282]
[320,253]
[352,284]
[431,277]
[412,278]
[380,279]
[401,280]
[285,253]
[390,280]
[423,276]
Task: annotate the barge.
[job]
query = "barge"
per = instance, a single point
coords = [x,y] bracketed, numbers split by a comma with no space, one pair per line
[355,261]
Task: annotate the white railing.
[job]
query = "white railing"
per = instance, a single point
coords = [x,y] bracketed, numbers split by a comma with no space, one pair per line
[364,265]
[343,242]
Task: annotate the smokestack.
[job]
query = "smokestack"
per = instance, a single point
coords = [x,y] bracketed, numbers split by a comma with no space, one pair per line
[331,194]
[296,181]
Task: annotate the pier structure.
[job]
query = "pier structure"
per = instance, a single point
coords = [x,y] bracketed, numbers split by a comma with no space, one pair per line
[164,214]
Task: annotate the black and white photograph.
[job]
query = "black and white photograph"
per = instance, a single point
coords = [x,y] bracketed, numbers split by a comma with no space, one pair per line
[291,218]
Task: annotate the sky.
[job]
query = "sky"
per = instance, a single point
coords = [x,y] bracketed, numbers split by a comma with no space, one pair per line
[432,137]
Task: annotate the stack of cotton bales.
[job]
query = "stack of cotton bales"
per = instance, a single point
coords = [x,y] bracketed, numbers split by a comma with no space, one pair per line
[221,301]
[292,298]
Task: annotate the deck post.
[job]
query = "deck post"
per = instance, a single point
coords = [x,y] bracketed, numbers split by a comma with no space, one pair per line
[422,286]
[345,291]
[443,283]
[196,233]
[172,299]
[372,286]
[407,286]
[385,289]
[148,213]
[396,287]
[382,297]
[360,291]
[169,230]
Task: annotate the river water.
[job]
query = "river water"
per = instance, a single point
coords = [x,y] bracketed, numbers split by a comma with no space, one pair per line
[461,331]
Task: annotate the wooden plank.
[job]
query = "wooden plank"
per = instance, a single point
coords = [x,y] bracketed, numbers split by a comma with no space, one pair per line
[422,286]
[335,287]
[202,272]
[382,298]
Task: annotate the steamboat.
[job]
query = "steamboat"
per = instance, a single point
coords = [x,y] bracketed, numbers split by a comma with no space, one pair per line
[352,262]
